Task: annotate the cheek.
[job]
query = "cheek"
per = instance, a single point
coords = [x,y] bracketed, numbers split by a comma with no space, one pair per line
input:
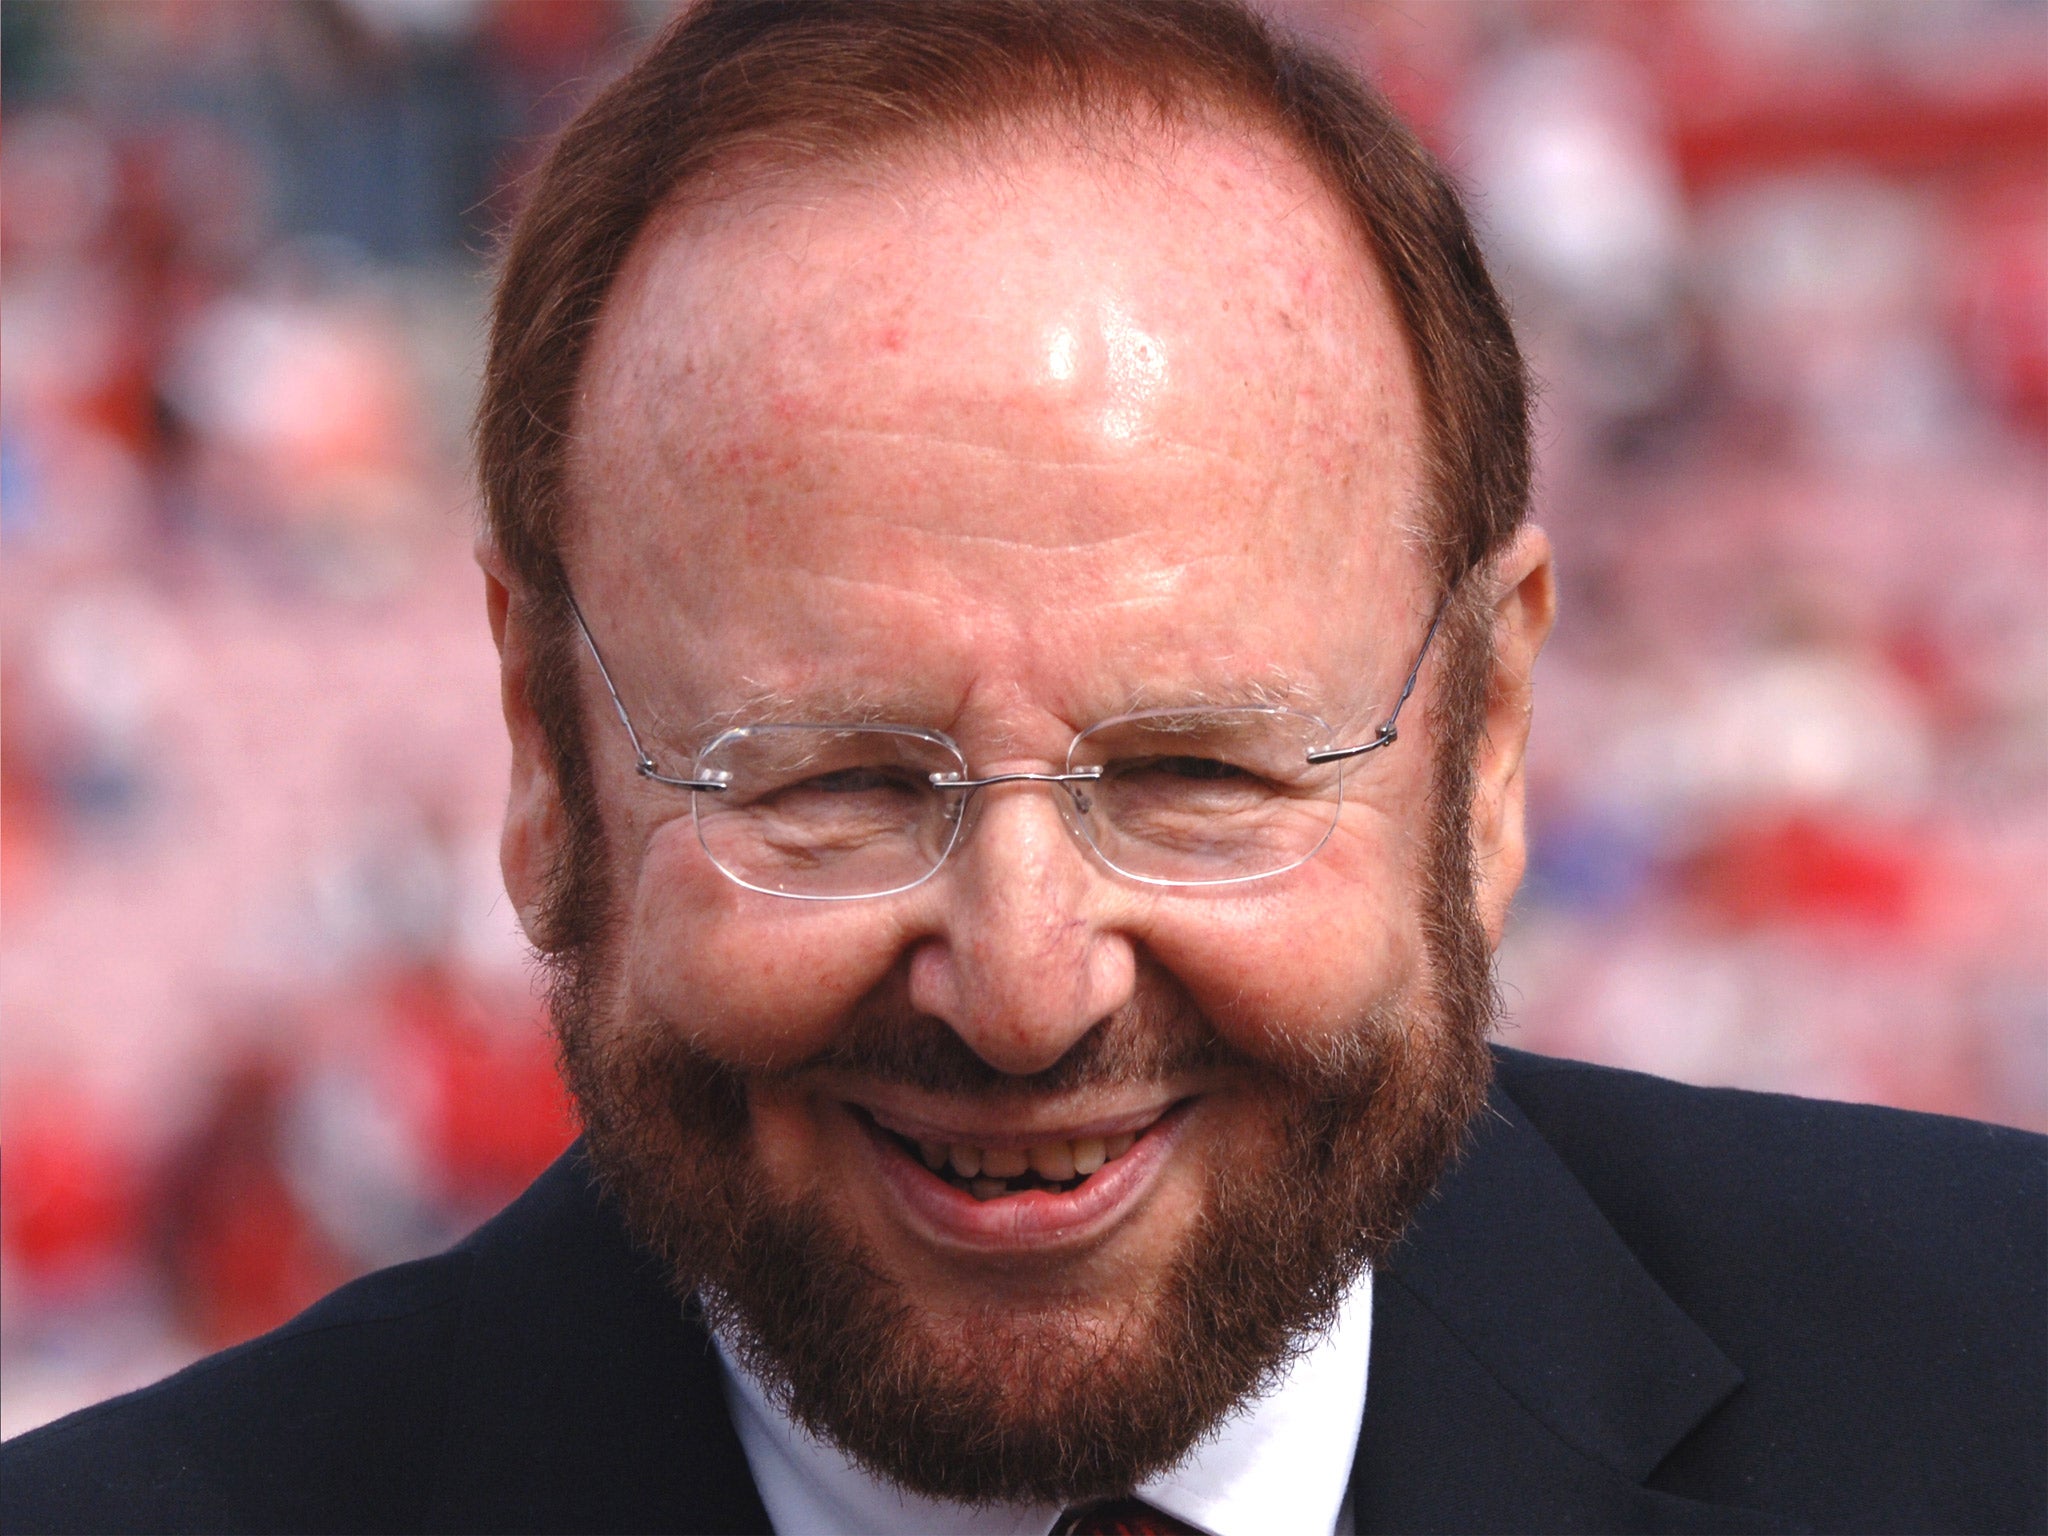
[796,1147]
[1304,959]
[759,982]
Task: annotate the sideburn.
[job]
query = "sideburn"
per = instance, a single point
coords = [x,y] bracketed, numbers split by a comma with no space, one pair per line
[574,907]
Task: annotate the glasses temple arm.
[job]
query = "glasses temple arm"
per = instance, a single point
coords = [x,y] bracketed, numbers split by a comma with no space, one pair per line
[1389,732]
[645,764]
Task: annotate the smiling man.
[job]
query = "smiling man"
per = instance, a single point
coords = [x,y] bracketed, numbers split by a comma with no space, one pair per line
[1022,985]
[1007,548]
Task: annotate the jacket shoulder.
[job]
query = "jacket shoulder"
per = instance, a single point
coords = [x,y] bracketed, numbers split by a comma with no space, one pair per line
[330,1422]
[1880,1278]
[1820,1172]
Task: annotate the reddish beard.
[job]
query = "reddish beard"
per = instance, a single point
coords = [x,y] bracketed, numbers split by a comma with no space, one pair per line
[1084,1403]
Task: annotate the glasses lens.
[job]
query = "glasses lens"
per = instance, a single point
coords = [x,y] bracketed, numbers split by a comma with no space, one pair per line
[827,811]
[1206,796]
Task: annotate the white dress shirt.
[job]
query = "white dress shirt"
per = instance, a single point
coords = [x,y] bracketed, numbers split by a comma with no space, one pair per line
[1279,1463]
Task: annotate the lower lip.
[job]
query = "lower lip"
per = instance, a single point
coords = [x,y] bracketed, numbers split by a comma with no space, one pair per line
[1037,1219]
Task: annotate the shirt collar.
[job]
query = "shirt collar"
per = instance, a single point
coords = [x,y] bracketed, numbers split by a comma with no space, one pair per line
[1280,1462]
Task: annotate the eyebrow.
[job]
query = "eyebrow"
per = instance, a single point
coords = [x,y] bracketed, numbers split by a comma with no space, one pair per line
[826,704]
[1275,688]
[831,704]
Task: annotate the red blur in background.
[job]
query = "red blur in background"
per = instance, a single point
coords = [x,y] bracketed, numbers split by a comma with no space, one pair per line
[1782,269]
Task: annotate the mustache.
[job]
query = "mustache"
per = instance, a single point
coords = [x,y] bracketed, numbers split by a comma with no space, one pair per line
[1160,1035]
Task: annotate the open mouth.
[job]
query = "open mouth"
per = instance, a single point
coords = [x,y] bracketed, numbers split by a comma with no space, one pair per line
[991,1173]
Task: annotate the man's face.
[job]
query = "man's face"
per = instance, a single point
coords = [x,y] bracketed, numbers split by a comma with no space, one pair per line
[1002,451]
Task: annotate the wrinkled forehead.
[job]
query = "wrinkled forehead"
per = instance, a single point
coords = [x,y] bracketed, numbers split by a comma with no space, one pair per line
[1067,362]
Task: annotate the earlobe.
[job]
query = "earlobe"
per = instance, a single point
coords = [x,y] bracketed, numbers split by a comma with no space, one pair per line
[1523,614]
[533,837]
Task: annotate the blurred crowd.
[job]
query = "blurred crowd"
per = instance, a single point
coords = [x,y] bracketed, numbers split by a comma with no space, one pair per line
[1782,266]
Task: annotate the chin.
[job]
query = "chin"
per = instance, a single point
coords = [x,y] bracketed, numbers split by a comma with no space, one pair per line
[979,1377]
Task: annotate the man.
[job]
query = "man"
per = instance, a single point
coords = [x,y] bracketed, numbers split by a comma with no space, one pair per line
[1007,550]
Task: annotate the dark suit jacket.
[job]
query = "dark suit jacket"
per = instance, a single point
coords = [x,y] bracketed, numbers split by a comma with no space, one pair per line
[1633,1306]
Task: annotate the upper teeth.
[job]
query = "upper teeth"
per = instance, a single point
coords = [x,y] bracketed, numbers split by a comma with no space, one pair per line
[1053,1161]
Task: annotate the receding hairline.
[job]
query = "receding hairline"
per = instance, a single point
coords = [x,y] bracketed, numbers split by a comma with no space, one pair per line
[1116,131]
[736,89]
[756,180]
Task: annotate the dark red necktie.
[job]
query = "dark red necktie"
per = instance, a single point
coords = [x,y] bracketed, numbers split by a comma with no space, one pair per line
[1121,1517]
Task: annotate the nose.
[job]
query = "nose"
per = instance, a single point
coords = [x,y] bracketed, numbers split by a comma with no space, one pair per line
[1025,949]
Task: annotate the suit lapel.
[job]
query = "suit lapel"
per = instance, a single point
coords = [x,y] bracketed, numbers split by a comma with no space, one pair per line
[1527,1373]
[584,1397]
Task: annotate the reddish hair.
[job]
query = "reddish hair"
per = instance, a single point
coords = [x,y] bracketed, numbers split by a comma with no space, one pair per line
[813,81]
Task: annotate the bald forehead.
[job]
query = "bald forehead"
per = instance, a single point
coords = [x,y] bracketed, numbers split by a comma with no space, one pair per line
[1063,304]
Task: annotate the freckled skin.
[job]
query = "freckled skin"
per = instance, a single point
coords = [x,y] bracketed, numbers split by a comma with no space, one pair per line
[1014,448]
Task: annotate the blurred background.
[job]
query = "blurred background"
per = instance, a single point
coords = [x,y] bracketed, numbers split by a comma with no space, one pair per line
[1781,264]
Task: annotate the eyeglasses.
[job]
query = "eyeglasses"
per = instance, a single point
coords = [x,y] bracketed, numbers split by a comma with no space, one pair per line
[1174,797]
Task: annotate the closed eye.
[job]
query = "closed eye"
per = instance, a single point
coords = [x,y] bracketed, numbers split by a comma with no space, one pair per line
[856,781]
[1191,768]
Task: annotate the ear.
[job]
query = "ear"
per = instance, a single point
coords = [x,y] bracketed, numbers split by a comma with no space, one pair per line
[534,835]
[1522,616]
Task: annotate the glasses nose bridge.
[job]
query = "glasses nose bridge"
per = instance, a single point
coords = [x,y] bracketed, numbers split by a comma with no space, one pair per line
[968,789]
[966,786]
[965,793]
